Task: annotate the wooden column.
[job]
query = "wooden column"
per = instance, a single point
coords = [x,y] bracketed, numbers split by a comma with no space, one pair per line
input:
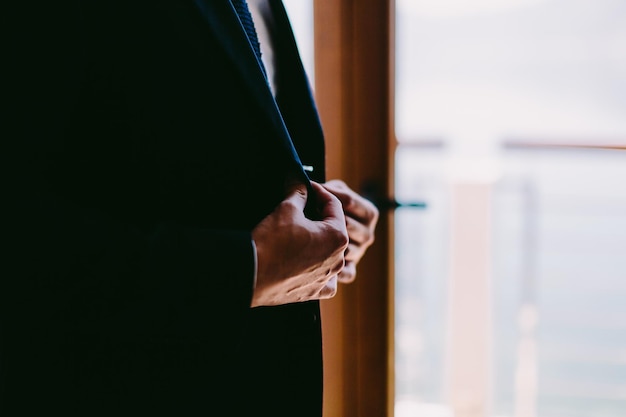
[354,83]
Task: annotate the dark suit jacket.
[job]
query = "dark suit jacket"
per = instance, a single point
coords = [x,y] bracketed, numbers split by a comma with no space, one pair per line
[148,147]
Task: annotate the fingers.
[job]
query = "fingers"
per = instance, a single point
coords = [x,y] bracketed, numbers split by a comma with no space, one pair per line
[348,273]
[330,289]
[361,237]
[299,258]
[359,233]
[296,195]
[327,204]
[354,253]
[354,205]
[361,226]
[302,258]
[361,218]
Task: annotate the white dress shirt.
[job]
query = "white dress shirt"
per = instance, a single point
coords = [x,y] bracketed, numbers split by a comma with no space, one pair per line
[264,25]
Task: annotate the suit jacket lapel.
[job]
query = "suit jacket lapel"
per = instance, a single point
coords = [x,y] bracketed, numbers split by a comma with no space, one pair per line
[295,98]
[224,23]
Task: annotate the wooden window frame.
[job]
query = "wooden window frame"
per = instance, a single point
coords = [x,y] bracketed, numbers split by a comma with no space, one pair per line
[354,92]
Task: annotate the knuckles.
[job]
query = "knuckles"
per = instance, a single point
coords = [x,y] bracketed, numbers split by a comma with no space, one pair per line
[331,292]
[338,267]
[371,211]
[348,274]
[339,239]
[348,201]
[289,207]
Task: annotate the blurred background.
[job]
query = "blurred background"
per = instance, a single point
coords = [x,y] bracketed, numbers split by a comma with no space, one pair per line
[510,286]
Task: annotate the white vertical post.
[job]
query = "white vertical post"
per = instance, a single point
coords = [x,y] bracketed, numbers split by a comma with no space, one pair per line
[526,371]
[469,345]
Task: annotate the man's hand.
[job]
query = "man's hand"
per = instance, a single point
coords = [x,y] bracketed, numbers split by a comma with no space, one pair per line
[298,259]
[361,218]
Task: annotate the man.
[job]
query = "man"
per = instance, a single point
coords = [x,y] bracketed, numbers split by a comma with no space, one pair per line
[171,248]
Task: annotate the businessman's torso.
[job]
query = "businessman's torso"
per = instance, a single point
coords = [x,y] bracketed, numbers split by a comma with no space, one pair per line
[165,123]
[162,126]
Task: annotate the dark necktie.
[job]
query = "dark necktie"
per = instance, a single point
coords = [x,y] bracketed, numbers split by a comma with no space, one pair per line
[241,7]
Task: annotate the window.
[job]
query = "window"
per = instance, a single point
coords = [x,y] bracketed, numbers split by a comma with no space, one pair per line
[511,285]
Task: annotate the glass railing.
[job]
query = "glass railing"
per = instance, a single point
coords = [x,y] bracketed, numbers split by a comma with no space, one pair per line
[511,290]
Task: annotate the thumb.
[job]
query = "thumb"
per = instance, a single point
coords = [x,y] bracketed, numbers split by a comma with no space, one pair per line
[296,194]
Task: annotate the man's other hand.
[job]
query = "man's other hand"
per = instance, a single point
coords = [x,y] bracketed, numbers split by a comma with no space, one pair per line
[361,218]
[298,258]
